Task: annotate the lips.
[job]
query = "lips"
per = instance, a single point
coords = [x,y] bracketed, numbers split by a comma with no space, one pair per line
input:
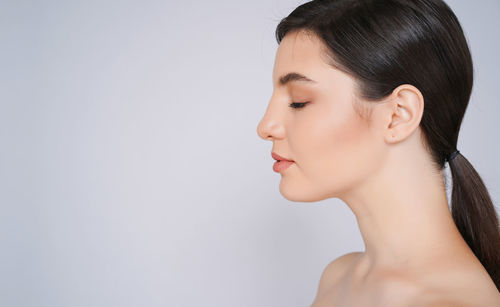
[279,158]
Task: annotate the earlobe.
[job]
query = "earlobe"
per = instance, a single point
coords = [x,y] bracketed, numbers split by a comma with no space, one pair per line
[407,105]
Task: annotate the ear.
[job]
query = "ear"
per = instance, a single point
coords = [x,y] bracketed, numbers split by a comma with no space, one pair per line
[405,110]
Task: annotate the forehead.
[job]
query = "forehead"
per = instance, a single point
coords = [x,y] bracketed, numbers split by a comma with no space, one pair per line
[299,43]
[301,52]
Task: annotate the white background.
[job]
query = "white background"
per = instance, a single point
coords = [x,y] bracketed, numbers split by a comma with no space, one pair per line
[131,172]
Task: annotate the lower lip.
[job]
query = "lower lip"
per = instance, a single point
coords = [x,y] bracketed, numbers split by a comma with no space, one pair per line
[281,165]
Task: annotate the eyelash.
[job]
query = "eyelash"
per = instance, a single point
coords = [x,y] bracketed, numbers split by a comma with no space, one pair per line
[298,105]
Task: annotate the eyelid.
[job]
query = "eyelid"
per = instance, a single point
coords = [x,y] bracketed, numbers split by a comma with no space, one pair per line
[298,105]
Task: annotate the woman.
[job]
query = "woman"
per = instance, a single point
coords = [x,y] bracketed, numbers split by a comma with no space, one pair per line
[367,105]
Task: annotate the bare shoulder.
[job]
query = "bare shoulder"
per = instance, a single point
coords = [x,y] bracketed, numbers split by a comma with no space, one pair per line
[450,299]
[435,286]
[334,271]
[402,291]
[460,288]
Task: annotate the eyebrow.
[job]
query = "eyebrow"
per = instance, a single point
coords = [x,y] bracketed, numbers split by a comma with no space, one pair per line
[294,76]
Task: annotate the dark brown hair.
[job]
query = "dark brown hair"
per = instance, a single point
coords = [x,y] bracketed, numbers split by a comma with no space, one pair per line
[386,43]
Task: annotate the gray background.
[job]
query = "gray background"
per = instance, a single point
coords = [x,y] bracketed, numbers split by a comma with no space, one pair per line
[131,171]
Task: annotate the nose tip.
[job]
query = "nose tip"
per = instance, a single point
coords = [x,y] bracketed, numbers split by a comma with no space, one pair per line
[259,131]
[264,130]
[271,126]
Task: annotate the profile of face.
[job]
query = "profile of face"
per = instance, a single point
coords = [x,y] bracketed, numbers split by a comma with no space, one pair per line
[334,149]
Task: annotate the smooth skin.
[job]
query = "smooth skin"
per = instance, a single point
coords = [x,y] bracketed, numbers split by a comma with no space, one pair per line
[414,254]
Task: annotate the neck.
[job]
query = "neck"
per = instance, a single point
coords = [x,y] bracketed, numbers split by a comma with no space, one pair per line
[403,216]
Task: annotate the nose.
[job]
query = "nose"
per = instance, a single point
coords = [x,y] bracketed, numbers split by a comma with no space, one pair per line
[270,127]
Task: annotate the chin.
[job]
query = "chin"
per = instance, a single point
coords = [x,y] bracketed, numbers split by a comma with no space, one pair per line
[296,194]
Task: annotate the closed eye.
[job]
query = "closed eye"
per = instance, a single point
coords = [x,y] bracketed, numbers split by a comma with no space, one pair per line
[298,105]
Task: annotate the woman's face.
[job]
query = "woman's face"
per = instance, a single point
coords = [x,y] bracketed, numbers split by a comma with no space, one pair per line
[333,149]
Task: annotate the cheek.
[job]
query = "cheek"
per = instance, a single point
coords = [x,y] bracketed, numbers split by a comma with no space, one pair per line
[330,143]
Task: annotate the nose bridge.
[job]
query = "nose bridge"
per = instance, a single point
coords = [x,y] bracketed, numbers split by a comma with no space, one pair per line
[271,124]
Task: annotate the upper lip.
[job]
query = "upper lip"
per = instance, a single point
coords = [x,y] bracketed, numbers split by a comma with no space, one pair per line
[279,158]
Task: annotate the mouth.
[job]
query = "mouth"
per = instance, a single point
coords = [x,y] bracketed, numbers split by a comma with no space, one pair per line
[279,158]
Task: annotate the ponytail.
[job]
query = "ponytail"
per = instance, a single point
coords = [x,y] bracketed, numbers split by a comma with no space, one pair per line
[475,216]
